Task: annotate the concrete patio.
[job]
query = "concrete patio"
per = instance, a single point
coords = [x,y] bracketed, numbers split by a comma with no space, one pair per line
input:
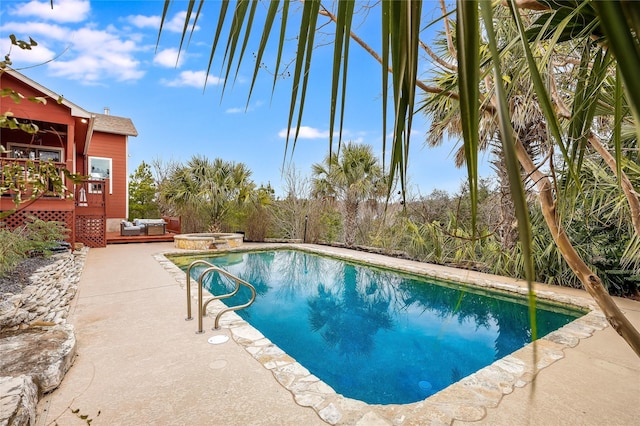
[139,362]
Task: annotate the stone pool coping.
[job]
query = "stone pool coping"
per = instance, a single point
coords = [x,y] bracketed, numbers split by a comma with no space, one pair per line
[208,241]
[465,400]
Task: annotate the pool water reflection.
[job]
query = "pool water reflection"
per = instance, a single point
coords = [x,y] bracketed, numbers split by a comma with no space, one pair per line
[374,335]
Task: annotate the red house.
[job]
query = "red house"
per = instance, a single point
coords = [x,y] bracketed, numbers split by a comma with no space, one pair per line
[83,142]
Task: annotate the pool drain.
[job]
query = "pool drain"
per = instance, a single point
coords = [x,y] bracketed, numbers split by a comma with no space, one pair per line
[424,385]
[219,339]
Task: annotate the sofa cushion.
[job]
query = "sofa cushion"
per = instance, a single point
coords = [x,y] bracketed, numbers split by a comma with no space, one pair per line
[154,221]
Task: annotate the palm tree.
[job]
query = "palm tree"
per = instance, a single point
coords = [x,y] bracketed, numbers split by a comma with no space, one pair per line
[595,64]
[587,25]
[444,114]
[208,188]
[352,176]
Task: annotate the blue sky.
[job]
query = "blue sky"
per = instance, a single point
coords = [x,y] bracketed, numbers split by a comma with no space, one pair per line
[105,56]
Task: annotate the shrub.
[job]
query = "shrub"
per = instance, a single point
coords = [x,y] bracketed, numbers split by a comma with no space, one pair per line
[44,236]
[35,238]
[13,248]
[331,225]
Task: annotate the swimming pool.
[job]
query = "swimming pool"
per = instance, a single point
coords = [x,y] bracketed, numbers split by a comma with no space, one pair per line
[379,336]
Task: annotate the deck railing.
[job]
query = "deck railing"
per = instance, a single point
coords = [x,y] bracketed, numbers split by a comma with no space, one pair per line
[174,224]
[19,174]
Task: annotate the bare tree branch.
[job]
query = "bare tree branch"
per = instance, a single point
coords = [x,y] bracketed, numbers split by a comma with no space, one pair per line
[438,59]
[365,46]
[528,4]
[447,29]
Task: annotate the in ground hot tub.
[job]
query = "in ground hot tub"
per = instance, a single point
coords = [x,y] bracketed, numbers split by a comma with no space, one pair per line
[207,241]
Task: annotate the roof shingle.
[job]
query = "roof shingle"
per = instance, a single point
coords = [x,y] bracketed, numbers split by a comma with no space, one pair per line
[114,124]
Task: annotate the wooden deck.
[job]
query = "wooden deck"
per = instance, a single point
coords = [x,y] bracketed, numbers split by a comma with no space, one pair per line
[116,238]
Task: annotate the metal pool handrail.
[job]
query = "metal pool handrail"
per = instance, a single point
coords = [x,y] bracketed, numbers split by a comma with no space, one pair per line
[194,263]
[203,307]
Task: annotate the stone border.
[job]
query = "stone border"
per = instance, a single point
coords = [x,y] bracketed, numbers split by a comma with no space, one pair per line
[46,299]
[208,241]
[465,400]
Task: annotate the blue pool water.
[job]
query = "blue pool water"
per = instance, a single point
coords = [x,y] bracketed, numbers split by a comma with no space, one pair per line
[374,335]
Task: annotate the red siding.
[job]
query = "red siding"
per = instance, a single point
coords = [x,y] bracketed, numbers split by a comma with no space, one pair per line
[112,146]
[52,112]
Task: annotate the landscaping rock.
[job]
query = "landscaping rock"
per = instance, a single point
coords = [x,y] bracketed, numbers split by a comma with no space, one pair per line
[44,354]
[49,288]
[18,399]
[36,343]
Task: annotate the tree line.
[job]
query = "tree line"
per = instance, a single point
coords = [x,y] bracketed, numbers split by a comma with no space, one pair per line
[345,201]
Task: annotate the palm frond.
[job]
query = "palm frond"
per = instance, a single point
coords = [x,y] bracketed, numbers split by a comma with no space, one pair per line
[468,40]
[513,165]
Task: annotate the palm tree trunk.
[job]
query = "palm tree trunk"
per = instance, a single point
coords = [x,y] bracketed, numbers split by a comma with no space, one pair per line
[591,282]
[507,229]
[350,220]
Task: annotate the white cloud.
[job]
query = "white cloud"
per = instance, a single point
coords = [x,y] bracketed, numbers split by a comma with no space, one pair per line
[98,42]
[36,30]
[193,79]
[36,55]
[87,54]
[306,133]
[142,21]
[169,58]
[91,69]
[175,24]
[114,57]
[62,11]
[239,110]
[91,52]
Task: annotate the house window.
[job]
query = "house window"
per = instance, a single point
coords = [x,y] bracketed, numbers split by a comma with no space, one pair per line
[35,152]
[46,155]
[100,168]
